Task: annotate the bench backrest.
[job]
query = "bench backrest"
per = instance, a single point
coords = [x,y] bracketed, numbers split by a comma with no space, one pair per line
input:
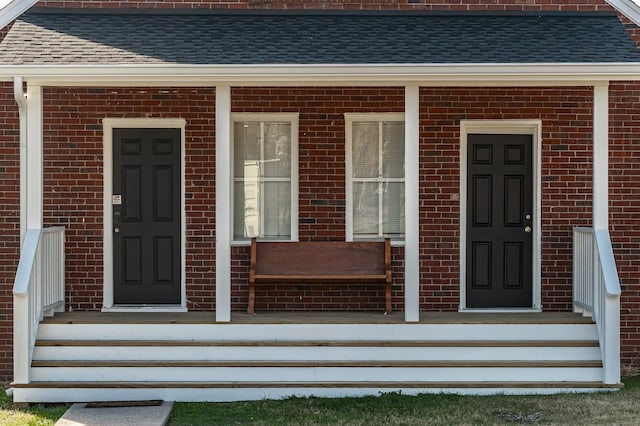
[321,258]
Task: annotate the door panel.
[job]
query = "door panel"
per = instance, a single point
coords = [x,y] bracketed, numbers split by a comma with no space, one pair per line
[499,221]
[147,220]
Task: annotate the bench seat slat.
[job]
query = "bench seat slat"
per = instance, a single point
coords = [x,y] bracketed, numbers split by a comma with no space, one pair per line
[327,277]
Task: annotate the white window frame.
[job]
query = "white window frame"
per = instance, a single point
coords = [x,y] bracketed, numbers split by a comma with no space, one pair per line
[349,119]
[293,118]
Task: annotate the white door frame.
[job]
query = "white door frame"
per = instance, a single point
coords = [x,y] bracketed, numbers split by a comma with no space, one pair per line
[108,124]
[522,127]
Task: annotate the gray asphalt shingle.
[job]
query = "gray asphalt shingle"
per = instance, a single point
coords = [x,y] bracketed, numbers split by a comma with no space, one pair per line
[316,38]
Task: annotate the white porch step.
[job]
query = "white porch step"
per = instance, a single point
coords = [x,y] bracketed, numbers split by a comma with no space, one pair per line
[184,362]
[319,332]
[320,374]
[461,351]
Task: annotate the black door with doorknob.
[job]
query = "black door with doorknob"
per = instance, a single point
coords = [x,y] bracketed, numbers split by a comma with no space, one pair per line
[146,216]
[499,231]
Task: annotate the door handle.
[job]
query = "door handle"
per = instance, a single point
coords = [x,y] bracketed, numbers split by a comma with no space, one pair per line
[116,230]
[527,229]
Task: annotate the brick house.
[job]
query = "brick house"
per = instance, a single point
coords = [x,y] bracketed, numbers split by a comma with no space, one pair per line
[495,145]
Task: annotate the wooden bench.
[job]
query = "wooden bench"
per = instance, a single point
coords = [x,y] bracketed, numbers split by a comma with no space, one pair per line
[332,261]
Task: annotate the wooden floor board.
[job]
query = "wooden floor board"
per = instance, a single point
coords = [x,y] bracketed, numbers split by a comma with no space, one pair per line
[92,317]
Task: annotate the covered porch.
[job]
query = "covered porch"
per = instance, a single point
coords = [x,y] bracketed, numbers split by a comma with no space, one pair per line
[521,348]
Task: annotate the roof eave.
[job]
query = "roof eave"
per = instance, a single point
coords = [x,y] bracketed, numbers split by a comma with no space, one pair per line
[323,74]
[13,10]
[628,8]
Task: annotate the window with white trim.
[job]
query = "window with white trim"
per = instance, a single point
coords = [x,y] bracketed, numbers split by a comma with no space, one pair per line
[265,180]
[375,176]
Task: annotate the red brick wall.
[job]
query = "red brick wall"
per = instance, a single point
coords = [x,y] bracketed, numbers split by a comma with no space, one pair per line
[73,185]
[321,190]
[624,212]
[566,180]
[4,31]
[9,220]
[73,179]
[73,149]
[631,28]
[534,5]
[566,185]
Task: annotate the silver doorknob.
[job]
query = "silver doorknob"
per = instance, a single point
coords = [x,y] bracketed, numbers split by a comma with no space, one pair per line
[116,230]
[527,229]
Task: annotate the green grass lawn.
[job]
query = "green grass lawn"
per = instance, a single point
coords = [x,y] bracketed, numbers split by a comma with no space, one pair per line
[619,408]
[34,415]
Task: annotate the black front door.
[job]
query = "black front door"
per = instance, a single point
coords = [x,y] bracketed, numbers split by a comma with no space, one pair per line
[146,216]
[499,221]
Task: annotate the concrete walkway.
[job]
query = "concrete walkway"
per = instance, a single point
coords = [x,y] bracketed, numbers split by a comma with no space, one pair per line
[116,414]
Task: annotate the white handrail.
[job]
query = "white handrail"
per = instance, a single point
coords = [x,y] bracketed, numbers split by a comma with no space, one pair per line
[38,290]
[607,262]
[597,293]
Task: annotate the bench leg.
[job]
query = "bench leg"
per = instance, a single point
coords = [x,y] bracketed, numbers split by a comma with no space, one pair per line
[252,298]
[387,297]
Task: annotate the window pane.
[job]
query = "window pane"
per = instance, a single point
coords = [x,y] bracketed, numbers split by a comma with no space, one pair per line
[277,149]
[246,213]
[365,149]
[277,210]
[246,145]
[393,210]
[365,209]
[262,179]
[393,149]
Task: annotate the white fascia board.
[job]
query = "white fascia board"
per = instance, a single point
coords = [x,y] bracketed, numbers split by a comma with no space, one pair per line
[13,10]
[340,74]
[628,8]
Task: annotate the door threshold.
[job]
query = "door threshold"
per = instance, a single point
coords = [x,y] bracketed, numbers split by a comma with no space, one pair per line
[145,308]
[500,310]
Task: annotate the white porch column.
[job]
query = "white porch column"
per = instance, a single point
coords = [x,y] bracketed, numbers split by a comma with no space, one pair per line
[411,203]
[601,156]
[21,101]
[609,311]
[223,203]
[31,160]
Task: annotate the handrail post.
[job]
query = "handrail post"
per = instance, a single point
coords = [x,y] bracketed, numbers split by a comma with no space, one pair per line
[611,330]
[21,339]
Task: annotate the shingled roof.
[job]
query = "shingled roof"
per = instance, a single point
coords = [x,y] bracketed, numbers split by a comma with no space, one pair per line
[110,38]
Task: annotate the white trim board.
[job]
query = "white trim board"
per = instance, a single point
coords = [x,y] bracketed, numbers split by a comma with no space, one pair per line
[108,124]
[524,127]
[629,8]
[454,75]
[13,9]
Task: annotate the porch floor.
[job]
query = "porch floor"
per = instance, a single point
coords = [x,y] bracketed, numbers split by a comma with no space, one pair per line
[92,317]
